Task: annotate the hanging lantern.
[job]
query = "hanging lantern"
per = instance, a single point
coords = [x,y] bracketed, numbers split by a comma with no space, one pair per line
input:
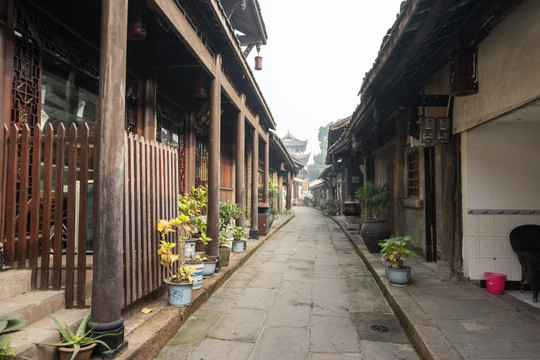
[258,62]
[200,89]
[136,21]
[258,58]
[464,72]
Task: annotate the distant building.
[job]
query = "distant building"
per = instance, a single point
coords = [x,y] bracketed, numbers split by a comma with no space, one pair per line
[296,149]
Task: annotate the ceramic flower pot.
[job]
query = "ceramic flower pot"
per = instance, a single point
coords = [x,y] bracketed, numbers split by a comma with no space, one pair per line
[374,231]
[65,353]
[209,267]
[190,244]
[197,274]
[399,277]
[238,246]
[179,293]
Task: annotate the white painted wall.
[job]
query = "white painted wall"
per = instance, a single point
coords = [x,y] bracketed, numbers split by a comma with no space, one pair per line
[501,171]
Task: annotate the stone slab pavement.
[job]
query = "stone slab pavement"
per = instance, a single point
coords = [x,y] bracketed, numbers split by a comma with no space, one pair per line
[305,294]
[454,319]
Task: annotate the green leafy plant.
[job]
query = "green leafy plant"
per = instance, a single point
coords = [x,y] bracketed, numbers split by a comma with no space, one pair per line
[374,200]
[9,323]
[78,339]
[224,239]
[199,195]
[395,248]
[229,212]
[238,233]
[273,191]
[332,206]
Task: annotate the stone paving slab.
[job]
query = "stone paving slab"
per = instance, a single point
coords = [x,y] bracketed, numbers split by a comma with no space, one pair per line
[239,324]
[213,349]
[283,343]
[292,300]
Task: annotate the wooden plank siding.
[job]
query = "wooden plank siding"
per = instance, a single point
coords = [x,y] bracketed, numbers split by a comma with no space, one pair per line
[47,208]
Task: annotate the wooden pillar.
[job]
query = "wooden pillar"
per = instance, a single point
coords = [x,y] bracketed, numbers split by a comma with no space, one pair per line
[149,105]
[254,230]
[279,202]
[108,263]
[446,161]
[214,154]
[266,174]
[4,113]
[288,201]
[191,143]
[240,195]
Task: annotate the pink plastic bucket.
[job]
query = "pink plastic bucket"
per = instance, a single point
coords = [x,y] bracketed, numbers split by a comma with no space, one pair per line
[495,283]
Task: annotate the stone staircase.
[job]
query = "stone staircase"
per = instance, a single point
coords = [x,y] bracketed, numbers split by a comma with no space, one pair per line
[16,296]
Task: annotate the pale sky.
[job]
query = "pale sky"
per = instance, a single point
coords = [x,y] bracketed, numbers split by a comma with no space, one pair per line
[316,57]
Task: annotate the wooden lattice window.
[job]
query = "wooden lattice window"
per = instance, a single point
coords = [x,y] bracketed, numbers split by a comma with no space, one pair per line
[413,174]
[201,157]
[26,83]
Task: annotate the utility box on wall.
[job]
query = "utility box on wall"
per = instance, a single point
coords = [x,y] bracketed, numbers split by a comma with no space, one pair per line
[434,130]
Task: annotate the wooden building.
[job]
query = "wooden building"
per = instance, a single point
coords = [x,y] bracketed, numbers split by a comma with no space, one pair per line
[111,109]
[447,118]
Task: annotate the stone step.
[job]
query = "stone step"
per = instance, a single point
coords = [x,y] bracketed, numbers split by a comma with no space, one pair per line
[33,305]
[44,330]
[14,282]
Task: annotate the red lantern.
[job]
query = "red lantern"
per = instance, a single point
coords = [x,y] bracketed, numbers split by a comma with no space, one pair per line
[200,89]
[464,72]
[258,62]
[136,22]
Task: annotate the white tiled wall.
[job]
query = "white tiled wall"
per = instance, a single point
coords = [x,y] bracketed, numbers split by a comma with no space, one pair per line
[486,246]
[500,169]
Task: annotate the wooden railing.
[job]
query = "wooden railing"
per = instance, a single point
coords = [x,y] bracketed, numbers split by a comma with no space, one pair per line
[151,193]
[49,208]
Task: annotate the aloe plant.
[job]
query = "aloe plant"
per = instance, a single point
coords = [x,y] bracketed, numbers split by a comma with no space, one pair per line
[9,323]
[79,339]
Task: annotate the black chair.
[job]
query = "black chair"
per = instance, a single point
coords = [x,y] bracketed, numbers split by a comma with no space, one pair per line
[525,241]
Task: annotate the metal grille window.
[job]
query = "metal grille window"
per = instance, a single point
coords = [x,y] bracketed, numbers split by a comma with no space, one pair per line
[413,174]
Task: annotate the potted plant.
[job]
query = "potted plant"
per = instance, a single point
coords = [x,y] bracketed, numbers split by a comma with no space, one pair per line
[395,250]
[209,265]
[9,323]
[228,212]
[224,248]
[374,200]
[78,345]
[179,279]
[238,242]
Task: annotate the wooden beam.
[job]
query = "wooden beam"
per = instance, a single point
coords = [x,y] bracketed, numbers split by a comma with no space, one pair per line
[187,35]
[439,8]
[169,11]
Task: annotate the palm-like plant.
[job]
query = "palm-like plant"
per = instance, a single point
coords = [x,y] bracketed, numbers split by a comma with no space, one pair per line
[79,339]
[374,200]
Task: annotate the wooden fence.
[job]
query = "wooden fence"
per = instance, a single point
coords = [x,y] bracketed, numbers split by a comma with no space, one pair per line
[49,208]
